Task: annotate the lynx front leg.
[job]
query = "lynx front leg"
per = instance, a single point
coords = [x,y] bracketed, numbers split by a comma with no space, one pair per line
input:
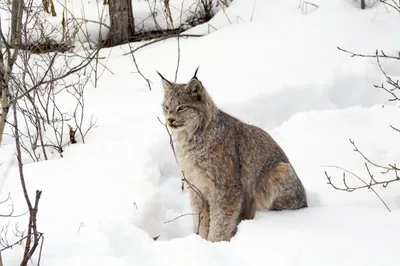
[201,214]
[224,216]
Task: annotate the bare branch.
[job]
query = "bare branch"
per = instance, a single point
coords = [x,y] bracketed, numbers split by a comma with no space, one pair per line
[377,55]
[32,228]
[137,67]
[365,158]
[347,188]
[75,69]
[384,169]
[198,192]
[163,39]
[179,48]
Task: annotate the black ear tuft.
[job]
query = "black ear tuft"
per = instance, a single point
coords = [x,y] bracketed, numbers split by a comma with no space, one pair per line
[195,73]
[162,77]
[166,84]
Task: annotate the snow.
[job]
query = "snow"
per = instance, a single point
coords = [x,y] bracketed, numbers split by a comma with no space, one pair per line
[270,65]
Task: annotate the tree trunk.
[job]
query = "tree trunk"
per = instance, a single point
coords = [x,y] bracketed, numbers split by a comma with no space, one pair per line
[53,9]
[122,26]
[4,102]
[14,21]
[7,65]
[45,4]
[363,4]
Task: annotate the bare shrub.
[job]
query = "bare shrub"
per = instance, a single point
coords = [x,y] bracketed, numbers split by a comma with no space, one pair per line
[42,83]
[389,172]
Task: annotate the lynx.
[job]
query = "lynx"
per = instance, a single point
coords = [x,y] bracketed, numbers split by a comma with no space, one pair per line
[233,169]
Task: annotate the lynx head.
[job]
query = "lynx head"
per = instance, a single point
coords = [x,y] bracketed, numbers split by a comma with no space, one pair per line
[186,106]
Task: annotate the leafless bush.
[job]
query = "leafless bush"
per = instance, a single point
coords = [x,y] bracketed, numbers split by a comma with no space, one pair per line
[45,121]
[389,172]
[392,88]
[44,88]
[198,12]
[35,81]
[201,12]
[32,237]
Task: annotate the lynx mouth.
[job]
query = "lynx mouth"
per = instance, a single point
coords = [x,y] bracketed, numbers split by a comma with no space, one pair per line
[174,125]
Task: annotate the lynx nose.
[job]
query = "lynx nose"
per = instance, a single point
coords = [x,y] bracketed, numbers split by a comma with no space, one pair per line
[170,120]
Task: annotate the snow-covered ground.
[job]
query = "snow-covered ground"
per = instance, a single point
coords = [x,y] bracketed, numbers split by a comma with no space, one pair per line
[269,64]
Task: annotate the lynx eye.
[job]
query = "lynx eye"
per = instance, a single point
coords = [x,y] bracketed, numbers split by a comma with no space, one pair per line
[166,107]
[181,108]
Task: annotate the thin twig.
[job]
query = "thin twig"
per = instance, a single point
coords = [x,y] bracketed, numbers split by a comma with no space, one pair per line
[41,249]
[198,192]
[383,55]
[252,12]
[76,68]
[163,39]
[137,67]
[19,241]
[200,195]
[180,216]
[29,250]
[171,141]
[348,189]
[395,84]
[365,157]
[179,48]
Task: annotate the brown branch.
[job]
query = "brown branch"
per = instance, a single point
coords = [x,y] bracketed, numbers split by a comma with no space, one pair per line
[179,47]
[198,192]
[395,87]
[178,60]
[180,216]
[171,143]
[365,157]
[11,213]
[347,188]
[32,226]
[137,67]
[373,181]
[195,189]
[390,81]
[75,69]
[163,38]
[377,55]
[19,241]
[19,159]
[41,249]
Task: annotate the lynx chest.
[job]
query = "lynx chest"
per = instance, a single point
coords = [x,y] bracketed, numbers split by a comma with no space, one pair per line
[200,169]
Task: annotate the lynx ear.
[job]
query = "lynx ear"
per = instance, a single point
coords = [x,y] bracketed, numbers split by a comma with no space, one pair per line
[196,88]
[166,84]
